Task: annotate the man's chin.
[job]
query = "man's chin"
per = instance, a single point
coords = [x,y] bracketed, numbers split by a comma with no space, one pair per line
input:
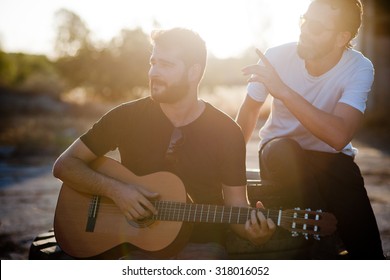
[160,97]
[304,52]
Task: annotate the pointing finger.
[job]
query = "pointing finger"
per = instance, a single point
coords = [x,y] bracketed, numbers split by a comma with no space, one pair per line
[252,69]
[264,59]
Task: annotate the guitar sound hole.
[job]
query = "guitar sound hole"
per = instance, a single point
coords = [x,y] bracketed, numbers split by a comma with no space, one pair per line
[141,223]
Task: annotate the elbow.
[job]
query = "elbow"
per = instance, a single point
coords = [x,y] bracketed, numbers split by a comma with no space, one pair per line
[338,148]
[340,142]
[59,168]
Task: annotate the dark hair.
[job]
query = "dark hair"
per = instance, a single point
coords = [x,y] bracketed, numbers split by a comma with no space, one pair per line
[191,46]
[350,17]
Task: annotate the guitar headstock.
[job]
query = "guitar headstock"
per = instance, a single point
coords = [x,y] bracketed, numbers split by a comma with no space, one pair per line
[308,222]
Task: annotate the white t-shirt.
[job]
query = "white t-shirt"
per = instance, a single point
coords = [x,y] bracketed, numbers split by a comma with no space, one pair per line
[348,82]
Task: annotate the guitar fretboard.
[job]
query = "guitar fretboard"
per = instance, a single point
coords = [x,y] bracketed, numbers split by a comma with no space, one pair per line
[206,213]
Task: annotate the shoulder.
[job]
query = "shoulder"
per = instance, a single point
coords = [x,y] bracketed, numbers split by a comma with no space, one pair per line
[358,59]
[132,107]
[138,103]
[357,67]
[216,113]
[223,121]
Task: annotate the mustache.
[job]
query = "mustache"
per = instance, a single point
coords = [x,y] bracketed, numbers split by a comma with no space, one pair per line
[305,39]
[157,82]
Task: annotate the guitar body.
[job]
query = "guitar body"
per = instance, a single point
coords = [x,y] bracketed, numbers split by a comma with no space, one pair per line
[89,226]
[111,229]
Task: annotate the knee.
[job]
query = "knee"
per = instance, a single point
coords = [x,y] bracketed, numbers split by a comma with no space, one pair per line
[280,149]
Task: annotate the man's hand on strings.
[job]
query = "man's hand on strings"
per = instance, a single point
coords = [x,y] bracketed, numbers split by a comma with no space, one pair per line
[259,228]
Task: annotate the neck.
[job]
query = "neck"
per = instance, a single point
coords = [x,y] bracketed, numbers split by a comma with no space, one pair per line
[318,67]
[184,111]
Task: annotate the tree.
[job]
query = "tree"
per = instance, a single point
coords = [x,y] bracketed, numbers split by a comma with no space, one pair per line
[72,34]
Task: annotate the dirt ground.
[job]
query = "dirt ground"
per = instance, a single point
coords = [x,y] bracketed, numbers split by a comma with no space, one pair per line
[28,195]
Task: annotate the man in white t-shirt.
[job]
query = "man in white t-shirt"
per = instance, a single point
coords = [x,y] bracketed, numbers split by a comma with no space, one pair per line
[319,88]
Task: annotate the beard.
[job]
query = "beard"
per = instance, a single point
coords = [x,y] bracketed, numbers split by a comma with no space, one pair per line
[310,50]
[161,92]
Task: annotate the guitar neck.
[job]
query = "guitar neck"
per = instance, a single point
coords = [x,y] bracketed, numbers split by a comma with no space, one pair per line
[206,213]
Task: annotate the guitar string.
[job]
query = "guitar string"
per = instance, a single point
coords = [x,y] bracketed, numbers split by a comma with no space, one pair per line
[183,205]
[275,214]
[174,206]
[168,206]
[310,228]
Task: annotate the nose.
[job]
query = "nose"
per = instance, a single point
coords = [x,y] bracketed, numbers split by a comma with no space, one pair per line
[303,27]
[153,71]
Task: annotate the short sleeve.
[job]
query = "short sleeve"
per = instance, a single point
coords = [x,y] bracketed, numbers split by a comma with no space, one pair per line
[356,92]
[101,137]
[233,165]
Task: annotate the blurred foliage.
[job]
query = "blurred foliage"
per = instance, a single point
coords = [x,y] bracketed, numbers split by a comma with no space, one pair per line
[72,33]
[113,70]
[34,74]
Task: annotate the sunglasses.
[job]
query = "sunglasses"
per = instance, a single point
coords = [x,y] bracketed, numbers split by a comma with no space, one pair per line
[315,27]
[177,141]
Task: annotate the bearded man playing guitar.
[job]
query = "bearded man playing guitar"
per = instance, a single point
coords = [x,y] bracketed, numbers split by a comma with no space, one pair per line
[170,130]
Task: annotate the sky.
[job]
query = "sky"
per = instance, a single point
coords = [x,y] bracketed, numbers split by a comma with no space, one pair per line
[228,26]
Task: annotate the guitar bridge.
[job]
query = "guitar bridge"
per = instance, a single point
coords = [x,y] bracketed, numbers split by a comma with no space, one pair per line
[92,213]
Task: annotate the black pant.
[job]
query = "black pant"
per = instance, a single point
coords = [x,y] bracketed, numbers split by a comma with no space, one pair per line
[326,181]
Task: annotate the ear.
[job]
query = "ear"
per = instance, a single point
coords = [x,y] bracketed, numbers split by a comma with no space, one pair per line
[343,38]
[195,73]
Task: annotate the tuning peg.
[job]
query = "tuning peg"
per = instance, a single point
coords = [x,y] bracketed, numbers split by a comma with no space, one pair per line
[316,237]
[306,235]
[294,234]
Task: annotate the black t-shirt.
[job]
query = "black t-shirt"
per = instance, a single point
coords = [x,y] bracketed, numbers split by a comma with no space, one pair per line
[212,152]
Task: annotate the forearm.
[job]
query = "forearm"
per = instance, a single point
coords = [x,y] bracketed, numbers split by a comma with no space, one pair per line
[247,117]
[336,128]
[78,175]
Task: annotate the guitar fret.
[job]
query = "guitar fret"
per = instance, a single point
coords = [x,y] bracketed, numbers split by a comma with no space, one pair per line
[180,206]
[173,213]
[174,208]
[196,209]
[169,203]
[164,213]
[238,216]
[189,213]
[184,212]
[161,214]
[158,210]
[223,209]
[167,212]
[230,215]
[215,213]
[201,214]
[208,212]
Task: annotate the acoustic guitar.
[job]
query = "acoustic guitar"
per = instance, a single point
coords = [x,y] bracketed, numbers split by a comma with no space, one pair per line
[87,226]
